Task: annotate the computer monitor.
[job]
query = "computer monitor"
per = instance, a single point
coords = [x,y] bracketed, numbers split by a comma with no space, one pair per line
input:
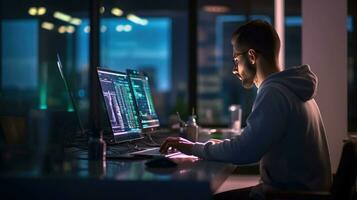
[140,87]
[120,105]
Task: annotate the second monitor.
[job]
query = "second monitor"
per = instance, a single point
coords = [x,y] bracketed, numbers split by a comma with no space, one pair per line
[139,83]
[120,105]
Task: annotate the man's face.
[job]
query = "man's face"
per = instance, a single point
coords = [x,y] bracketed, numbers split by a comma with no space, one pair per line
[243,69]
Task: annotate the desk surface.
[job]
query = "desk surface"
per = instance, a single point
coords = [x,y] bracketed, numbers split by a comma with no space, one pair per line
[193,178]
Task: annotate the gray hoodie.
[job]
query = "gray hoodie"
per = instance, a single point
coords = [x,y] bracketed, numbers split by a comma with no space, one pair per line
[284,132]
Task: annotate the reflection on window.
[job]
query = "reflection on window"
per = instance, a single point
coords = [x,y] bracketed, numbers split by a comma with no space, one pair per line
[126,45]
[19,55]
[218,88]
[32,33]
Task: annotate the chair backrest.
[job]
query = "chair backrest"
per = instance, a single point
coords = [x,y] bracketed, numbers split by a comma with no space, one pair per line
[344,182]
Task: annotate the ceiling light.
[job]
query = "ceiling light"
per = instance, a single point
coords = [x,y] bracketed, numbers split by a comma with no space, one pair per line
[62,16]
[70,29]
[87,29]
[102,10]
[117,12]
[127,28]
[119,28]
[124,28]
[62,29]
[41,11]
[47,25]
[32,11]
[216,9]
[103,29]
[75,21]
[137,20]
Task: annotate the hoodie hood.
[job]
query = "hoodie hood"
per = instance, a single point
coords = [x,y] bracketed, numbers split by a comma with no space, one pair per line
[299,80]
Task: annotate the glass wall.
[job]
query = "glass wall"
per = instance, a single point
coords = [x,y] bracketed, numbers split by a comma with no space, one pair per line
[149,36]
[218,88]
[293,34]
[31,35]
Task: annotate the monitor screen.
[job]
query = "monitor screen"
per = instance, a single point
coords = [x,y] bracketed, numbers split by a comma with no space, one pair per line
[120,105]
[139,83]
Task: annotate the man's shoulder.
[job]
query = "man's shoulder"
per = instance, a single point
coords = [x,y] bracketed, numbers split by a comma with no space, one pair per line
[275,94]
[276,89]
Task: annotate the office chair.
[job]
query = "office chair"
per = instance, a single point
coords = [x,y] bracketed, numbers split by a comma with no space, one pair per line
[343,185]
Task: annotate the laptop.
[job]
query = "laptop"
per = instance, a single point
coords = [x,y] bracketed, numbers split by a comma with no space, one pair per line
[122,111]
[70,94]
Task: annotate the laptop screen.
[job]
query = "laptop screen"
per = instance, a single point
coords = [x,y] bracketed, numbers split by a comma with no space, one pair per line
[69,92]
[120,105]
[143,98]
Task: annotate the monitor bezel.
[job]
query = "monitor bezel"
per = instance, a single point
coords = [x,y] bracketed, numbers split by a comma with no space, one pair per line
[130,73]
[133,135]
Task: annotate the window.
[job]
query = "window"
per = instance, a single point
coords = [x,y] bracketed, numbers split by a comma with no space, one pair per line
[352,66]
[31,34]
[218,88]
[149,36]
[293,35]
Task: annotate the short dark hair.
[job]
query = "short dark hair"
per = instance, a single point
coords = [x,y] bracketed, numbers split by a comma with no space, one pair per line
[258,35]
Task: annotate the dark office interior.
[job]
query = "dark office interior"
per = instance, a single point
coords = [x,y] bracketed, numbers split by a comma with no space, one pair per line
[59,118]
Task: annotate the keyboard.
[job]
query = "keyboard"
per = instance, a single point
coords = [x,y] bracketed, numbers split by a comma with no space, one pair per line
[124,152]
[154,152]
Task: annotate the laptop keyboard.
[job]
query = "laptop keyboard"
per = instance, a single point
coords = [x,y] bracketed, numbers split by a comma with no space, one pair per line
[117,150]
[121,152]
[155,152]
[144,147]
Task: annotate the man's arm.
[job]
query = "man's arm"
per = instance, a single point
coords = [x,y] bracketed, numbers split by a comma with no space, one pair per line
[266,126]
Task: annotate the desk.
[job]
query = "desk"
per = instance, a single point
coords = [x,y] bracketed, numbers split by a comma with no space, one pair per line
[193,178]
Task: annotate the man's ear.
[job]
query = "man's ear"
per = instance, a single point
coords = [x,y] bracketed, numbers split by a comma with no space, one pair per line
[252,55]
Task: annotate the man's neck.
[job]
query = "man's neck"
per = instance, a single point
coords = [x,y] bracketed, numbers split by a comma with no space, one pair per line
[264,69]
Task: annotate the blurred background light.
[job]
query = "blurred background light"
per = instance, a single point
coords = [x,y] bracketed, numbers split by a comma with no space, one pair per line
[103,29]
[62,29]
[75,21]
[87,29]
[47,25]
[102,10]
[137,20]
[32,11]
[216,9]
[117,12]
[41,11]
[62,16]
[70,29]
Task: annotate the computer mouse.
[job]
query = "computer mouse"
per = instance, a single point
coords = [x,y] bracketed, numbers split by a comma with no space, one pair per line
[162,162]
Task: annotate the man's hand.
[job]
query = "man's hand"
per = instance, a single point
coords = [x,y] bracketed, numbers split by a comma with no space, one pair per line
[215,141]
[181,144]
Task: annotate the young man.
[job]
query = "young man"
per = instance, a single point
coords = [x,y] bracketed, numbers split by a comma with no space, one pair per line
[284,131]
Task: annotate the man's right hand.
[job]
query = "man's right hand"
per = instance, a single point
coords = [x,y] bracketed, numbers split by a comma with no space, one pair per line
[181,144]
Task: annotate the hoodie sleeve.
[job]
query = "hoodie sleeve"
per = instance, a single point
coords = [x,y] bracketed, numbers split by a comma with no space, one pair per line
[265,127]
